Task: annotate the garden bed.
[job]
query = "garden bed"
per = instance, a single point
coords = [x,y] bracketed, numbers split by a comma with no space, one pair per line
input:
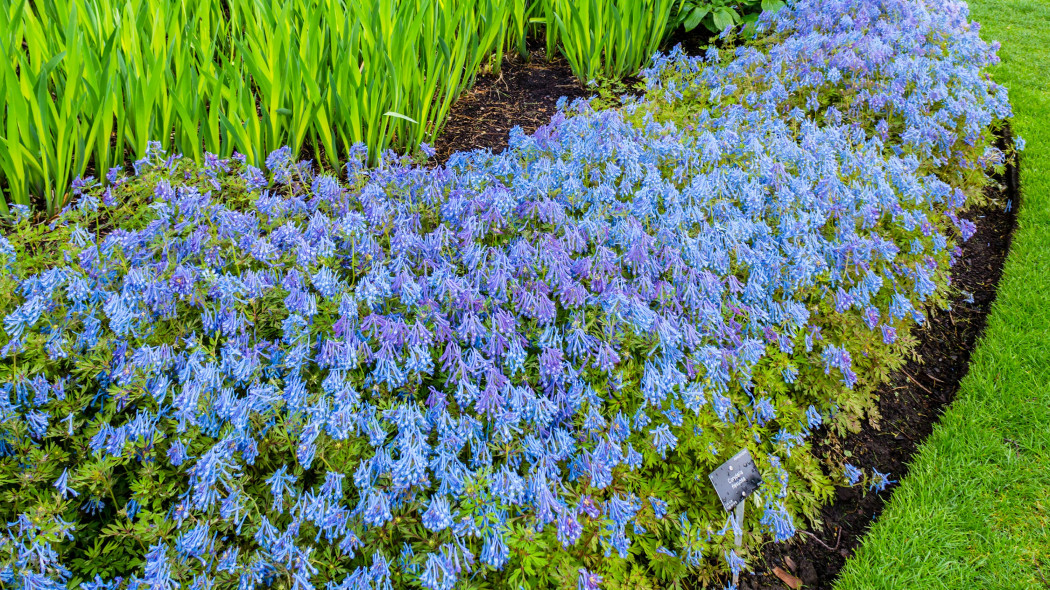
[909,405]
[524,95]
[614,263]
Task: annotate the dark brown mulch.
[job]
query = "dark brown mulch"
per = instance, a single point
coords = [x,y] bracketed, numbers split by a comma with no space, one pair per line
[910,403]
[694,42]
[523,93]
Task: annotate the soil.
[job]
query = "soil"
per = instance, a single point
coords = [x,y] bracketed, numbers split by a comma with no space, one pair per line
[693,42]
[525,92]
[909,404]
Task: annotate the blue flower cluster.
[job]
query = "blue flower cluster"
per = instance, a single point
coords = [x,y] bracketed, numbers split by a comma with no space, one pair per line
[413,377]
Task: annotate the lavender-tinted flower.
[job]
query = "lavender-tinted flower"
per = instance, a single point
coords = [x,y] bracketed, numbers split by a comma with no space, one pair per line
[588,580]
[569,529]
[764,411]
[589,507]
[779,521]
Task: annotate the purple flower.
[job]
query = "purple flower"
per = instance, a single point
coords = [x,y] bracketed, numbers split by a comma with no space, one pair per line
[569,529]
[588,580]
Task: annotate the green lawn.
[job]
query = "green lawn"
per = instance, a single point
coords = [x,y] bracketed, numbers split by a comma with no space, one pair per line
[974,511]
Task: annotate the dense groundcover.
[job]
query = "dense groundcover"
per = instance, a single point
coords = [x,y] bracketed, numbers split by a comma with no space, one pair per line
[513,370]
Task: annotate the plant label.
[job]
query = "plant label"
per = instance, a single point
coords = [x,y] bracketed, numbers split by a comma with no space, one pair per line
[736,479]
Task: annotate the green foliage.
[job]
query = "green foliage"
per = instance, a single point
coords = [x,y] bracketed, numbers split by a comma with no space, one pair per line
[87,81]
[606,38]
[717,15]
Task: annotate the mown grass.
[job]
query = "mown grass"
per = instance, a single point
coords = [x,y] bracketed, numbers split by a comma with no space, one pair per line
[974,511]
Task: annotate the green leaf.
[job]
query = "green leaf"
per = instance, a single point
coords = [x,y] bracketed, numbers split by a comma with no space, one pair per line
[695,17]
[724,18]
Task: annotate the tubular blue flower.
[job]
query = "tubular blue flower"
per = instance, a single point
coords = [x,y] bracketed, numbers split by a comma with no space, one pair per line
[62,485]
[438,573]
[281,483]
[813,417]
[377,509]
[614,259]
[779,521]
[735,563]
[663,440]
[879,480]
[569,529]
[437,517]
[853,475]
[37,422]
[494,552]
[659,507]
[764,411]
[158,569]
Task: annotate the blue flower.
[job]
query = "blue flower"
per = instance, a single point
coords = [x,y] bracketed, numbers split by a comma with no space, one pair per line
[494,552]
[813,417]
[779,521]
[879,480]
[496,332]
[281,483]
[437,517]
[62,485]
[663,440]
[158,569]
[735,563]
[659,507]
[853,475]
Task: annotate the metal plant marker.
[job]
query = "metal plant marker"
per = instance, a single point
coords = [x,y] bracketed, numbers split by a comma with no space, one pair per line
[734,481]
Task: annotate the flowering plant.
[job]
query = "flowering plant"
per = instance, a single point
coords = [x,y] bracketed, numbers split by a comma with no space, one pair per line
[513,370]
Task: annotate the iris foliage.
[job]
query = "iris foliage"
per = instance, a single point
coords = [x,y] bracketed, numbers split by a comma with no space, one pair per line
[512,370]
[85,82]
